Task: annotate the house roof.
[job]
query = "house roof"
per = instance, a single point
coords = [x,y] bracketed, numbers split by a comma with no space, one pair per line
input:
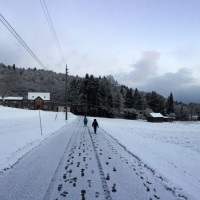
[156,115]
[43,95]
[13,98]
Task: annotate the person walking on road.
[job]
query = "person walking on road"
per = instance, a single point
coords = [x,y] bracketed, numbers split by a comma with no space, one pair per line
[85,121]
[95,125]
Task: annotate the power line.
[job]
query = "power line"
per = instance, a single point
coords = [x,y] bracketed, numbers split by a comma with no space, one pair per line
[48,18]
[16,35]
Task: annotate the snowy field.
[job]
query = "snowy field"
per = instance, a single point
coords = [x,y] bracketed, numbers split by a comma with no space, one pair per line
[172,150]
[20,132]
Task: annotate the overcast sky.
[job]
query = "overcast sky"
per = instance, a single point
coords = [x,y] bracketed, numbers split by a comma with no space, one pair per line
[153,45]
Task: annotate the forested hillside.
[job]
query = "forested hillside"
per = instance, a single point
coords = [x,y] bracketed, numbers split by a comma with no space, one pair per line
[97,96]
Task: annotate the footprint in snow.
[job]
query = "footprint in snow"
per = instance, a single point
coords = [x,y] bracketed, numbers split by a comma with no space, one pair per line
[64,194]
[89,183]
[97,194]
[108,177]
[60,187]
[83,194]
[113,188]
[156,197]
[82,172]
[149,182]
[64,176]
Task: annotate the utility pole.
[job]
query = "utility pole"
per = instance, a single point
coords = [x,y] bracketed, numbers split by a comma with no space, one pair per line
[40,122]
[66,93]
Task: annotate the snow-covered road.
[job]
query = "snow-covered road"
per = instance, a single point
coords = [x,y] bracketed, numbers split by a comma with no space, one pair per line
[30,177]
[77,164]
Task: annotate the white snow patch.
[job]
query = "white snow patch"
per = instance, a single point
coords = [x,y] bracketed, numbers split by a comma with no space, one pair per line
[171,149]
[20,131]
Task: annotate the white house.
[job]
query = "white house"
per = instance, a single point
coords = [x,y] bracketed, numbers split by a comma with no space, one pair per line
[39,100]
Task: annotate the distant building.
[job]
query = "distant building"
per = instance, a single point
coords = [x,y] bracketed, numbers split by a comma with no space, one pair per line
[155,117]
[63,108]
[193,117]
[59,106]
[16,102]
[39,100]
[170,117]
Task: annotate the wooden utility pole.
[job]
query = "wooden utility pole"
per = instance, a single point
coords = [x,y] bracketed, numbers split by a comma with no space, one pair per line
[66,93]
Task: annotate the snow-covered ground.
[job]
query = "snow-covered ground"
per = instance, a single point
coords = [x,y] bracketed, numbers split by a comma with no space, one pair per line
[171,150]
[20,131]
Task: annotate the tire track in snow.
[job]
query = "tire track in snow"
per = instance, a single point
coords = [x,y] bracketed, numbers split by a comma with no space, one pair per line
[102,174]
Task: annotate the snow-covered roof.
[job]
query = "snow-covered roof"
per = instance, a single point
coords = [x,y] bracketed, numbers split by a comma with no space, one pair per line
[156,115]
[43,95]
[13,98]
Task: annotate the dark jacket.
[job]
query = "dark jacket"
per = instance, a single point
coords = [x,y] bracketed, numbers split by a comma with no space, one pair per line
[95,124]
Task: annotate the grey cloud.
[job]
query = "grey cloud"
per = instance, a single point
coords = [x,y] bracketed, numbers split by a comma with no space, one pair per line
[15,54]
[144,76]
[146,66]
[189,94]
[170,81]
[183,85]
[9,55]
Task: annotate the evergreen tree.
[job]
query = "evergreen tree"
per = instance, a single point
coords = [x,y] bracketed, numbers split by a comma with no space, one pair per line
[117,101]
[73,91]
[122,90]
[129,101]
[170,104]
[156,102]
[14,67]
[138,102]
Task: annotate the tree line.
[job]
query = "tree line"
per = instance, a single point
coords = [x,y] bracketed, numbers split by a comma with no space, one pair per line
[103,96]
[89,95]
